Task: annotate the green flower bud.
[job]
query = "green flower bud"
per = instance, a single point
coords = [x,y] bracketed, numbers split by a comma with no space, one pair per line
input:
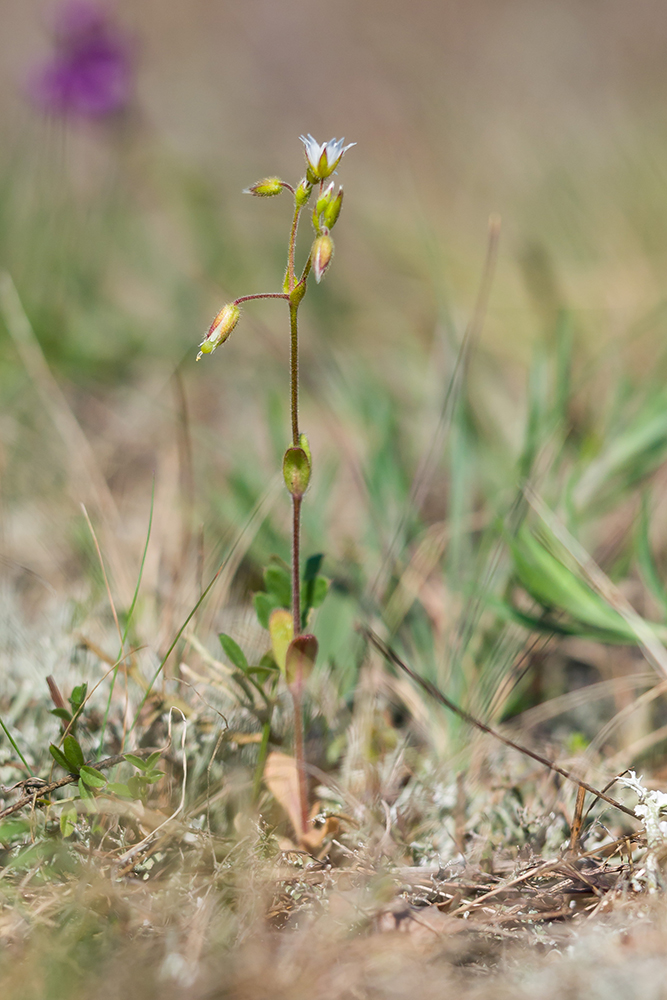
[300,660]
[220,329]
[267,188]
[303,192]
[297,293]
[303,443]
[296,471]
[321,254]
[324,199]
[332,210]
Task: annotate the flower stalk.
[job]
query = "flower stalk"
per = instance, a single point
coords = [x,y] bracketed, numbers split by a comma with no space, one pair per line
[321,161]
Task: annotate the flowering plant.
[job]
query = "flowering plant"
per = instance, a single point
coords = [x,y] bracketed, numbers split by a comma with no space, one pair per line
[294,650]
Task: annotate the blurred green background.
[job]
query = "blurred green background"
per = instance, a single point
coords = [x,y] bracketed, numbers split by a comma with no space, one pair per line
[123,237]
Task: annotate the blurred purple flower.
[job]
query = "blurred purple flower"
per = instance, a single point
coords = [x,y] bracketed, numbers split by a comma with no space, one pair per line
[90,72]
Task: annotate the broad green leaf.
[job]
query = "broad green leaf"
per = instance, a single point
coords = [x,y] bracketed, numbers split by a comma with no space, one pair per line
[136,785]
[153,759]
[234,652]
[118,788]
[646,562]
[61,759]
[68,818]
[278,584]
[11,829]
[554,585]
[73,752]
[84,791]
[92,777]
[78,696]
[264,605]
[137,761]
[61,713]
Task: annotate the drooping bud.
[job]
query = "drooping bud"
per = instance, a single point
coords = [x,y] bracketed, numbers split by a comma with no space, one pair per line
[321,254]
[303,192]
[220,329]
[267,188]
[296,471]
[300,660]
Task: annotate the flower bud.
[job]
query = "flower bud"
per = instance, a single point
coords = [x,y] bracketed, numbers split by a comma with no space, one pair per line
[303,192]
[303,443]
[321,254]
[267,188]
[332,210]
[300,660]
[297,293]
[324,199]
[296,471]
[220,329]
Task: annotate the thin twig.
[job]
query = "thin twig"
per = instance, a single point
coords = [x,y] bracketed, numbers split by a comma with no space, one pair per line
[102,765]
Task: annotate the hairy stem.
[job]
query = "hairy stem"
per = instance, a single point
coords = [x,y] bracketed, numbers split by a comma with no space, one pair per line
[260,295]
[299,756]
[296,576]
[292,248]
[294,372]
[296,542]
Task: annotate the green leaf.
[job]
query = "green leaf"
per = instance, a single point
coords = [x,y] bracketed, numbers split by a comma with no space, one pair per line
[312,567]
[92,777]
[60,758]
[153,759]
[234,652]
[78,696]
[137,761]
[136,786]
[73,752]
[554,585]
[319,592]
[11,829]
[118,788]
[281,628]
[84,791]
[278,583]
[68,818]
[646,562]
[264,605]
[153,776]
[61,713]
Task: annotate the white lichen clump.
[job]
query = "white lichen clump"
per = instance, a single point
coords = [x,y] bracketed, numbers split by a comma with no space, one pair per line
[649,810]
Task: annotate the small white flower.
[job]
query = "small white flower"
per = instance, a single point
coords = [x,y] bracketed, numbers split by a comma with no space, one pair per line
[323,158]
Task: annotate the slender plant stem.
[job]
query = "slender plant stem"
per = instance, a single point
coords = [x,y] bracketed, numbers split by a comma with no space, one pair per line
[296,535]
[296,558]
[292,248]
[299,755]
[294,372]
[260,295]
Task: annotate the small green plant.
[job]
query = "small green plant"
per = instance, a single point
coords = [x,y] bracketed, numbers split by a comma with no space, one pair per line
[281,607]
